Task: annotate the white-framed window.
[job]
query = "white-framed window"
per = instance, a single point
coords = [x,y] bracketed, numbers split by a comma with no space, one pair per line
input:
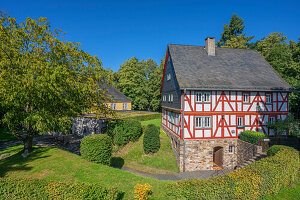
[168,76]
[203,122]
[165,114]
[231,149]
[170,97]
[113,106]
[203,97]
[246,98]
[164,97]
[272,119]
[125,106]
[240,121]
[268,98]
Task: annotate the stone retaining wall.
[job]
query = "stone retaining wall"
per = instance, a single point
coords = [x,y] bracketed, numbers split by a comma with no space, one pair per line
[246,151]
[83,126]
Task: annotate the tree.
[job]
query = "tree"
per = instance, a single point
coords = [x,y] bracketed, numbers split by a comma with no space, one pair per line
[43,80]
[233,36]
[155,79]
[133,81]
[284,57]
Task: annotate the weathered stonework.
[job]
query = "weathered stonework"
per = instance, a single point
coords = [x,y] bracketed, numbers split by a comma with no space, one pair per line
[83,126]
[199,153]
[246,151]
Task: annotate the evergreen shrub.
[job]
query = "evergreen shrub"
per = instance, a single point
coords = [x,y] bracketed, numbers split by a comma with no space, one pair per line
[97,148]
[252,137]
[151,140]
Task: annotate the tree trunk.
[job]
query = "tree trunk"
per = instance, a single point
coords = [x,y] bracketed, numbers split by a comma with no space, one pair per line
[27,145]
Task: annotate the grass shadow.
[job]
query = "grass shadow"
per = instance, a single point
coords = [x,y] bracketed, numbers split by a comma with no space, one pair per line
[16,162]
[117,162]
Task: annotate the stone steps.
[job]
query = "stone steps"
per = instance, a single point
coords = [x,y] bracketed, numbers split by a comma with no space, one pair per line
[256,157]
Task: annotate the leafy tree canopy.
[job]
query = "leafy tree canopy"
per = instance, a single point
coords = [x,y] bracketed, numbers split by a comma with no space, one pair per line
[43,80]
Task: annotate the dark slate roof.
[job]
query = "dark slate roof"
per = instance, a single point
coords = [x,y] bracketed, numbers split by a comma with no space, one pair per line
[115,94]
[229,69]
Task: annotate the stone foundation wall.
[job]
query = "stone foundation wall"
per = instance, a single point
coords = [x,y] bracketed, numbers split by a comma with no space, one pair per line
[246,151]
[199,153]
[83,126]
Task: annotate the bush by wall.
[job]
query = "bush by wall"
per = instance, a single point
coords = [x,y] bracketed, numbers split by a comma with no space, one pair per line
[252,137]
[254,181]
[275,148]
[145,117]
[123,131]
[151,140]
[96,148]
[35,189]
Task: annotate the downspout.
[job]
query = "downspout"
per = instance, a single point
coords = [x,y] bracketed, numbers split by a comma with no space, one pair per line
[183,103]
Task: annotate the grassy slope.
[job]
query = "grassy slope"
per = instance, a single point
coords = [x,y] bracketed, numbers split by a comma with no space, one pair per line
[5,135]
[56,164]
[159,163]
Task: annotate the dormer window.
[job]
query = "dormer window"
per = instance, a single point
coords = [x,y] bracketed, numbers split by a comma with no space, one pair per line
[168,76]
[170,97]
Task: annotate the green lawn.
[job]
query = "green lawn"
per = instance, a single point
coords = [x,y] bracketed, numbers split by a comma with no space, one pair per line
[161,162]
[288,193]
[57,164]
[6,135]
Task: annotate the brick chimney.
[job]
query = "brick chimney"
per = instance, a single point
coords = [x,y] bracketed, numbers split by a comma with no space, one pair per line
[210,46]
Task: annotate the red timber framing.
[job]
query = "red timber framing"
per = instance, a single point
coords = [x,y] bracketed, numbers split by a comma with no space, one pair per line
[224,108]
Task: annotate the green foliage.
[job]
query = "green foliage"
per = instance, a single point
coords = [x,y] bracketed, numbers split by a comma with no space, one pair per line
[44,80]
[124,130]
[285,59]
[139,80]
[252,137]
[233,36]
[97,148]
[151,140]
[289,125]
[254,181]
[275,148]
[44,189]
[145,117]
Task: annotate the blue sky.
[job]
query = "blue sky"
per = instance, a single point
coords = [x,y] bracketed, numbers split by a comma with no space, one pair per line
[118,30]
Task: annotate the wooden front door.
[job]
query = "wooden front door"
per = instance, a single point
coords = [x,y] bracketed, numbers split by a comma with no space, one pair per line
[218,156]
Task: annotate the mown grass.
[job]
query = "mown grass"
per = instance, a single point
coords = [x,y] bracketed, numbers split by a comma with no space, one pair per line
[57,164]
[162,162]
[288,193]
[6,135]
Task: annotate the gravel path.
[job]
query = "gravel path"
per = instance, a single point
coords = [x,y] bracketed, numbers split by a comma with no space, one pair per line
[72,144]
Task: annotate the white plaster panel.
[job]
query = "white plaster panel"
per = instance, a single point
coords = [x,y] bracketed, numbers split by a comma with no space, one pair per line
[206,107]
[232,131]
[247,120]
[198,107]
[233,118]
[198,133]
[233,95]
[186,133]
[233,105]
[239,96]
[284,107]
[207,133]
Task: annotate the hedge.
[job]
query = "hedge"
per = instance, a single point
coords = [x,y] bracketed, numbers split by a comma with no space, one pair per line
[151,140]
[275,148]
[124,130]
[252,136]
[96,148]
[31,189]
[255,181]
[145,117]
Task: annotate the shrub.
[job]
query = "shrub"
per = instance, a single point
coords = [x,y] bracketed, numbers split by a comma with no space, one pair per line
[32,189]
[142,192]
[254,181]
[145,117]
[151,140]
[275,148]
[125,131]
[96,148]
[252,136]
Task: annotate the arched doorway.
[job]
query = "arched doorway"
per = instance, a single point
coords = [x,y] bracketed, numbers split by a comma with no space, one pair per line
[218,157]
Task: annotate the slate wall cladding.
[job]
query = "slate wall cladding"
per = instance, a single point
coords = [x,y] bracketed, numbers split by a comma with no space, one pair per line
[246,151]
[199,153]
[83,126]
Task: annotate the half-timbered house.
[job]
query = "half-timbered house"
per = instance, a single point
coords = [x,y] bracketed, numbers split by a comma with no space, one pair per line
[219,92]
